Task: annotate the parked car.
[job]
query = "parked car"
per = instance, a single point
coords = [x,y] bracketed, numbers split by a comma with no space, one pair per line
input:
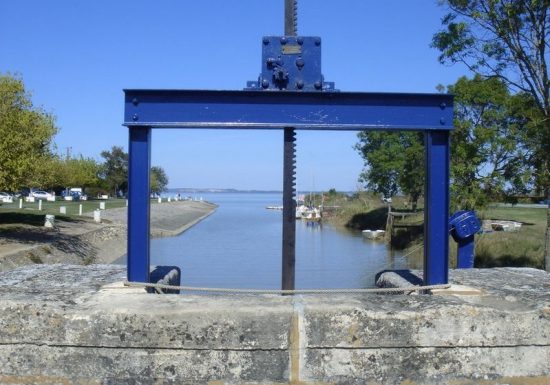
[39,194]
[6,197]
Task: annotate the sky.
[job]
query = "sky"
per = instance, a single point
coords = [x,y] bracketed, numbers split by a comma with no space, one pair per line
[77,56]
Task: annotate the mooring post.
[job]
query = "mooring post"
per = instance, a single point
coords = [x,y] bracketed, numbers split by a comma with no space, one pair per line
[139,165]
[436,208]
[289,211]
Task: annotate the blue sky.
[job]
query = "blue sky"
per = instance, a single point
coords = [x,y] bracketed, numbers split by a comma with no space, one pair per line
[77,56]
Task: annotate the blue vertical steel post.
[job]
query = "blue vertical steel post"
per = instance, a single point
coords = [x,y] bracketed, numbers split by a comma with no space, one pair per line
[139,166]
[436,208]
[465,253]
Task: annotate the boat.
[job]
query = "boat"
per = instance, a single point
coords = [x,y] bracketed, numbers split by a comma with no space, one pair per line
[301,211]
[505,225]
[274,207]
[312,215]
[373,234]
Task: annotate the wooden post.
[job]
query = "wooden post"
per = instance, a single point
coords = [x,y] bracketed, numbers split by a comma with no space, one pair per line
[389,225]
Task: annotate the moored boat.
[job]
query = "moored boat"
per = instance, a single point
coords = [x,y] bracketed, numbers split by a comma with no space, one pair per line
[373,234]
[312,215]
[301,211]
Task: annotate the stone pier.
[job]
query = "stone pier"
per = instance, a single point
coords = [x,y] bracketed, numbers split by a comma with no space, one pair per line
[65,324]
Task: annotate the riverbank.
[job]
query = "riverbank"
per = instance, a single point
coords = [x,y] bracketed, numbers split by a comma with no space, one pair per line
[521,248]
[79,240]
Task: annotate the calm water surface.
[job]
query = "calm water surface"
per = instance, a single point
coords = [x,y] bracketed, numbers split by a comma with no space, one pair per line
[239,246]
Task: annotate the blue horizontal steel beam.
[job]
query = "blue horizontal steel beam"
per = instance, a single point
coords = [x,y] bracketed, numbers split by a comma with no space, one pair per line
[277,110]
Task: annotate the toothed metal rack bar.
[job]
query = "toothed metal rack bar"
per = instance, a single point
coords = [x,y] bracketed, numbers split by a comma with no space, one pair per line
[187,109]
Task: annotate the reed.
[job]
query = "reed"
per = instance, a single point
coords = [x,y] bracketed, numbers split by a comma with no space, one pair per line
[523,248]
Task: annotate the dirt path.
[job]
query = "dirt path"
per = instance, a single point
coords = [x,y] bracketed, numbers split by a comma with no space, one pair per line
[82,241]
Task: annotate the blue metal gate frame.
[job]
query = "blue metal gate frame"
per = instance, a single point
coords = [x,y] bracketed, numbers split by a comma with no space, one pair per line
[338,111]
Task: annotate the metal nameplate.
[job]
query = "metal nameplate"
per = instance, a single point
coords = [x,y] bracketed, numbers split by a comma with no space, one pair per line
[291,49]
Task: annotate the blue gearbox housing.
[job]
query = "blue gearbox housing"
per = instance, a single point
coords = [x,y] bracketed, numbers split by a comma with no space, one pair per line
[291,63]
[464,225]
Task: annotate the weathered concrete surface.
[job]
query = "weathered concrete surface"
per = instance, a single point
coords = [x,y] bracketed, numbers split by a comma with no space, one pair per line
[62,324]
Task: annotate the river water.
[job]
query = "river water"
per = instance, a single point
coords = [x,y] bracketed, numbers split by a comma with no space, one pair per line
[239,246]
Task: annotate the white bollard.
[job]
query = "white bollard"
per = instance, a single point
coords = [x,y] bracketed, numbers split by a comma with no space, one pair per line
[97,216]
[169,199]
[62,209]
[79,209]
[102,205]
[50,221]
[160,200]
[40,205]
[126,202]
[20,203]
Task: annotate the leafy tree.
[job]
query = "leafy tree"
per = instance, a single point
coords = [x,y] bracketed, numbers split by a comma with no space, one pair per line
[393,162]
[159,180]
[26,134]
[79,172]
[488,152]
[488,149]
[500,38]
[114,172]
[115,169]
[506,39]
[411,179]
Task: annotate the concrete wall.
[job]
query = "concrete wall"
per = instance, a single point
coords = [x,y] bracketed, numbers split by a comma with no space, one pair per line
[62,324]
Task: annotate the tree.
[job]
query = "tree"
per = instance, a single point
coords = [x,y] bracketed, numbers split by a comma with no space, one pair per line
[79,172]
[159,180]
[393,162]
[411,180]
[506,39]
[26,134]
[114,172]
[115,169]
[500,38]
[487,153]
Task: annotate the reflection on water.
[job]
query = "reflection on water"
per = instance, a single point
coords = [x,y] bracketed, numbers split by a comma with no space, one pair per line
[240,246]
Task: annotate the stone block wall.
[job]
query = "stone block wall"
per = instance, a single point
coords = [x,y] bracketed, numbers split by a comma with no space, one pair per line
[63,324]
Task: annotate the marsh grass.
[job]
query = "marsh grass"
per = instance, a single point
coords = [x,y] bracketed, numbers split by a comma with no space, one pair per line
[523,248]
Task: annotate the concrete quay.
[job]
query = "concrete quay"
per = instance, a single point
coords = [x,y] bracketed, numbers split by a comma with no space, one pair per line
[70,324]
[82,241]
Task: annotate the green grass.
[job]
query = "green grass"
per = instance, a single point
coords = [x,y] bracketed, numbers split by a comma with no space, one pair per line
[72,207]
[522,248]
[13,219]
[363,211]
